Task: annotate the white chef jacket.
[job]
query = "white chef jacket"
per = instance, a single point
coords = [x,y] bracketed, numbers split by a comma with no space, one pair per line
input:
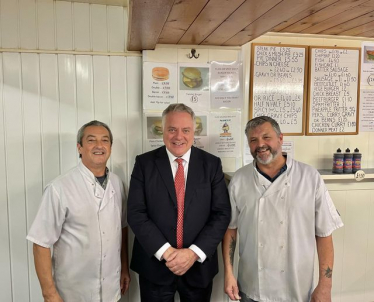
[277,224]
[83,222]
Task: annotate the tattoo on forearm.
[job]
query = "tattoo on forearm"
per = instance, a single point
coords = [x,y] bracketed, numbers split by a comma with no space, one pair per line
[328,272]
[232,249]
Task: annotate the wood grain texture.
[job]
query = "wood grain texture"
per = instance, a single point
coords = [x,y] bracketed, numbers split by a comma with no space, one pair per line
[213,14]
[323,14]
[146,20]
[247,13]
[182,14]
[270,19]
[338,19]
[310,11]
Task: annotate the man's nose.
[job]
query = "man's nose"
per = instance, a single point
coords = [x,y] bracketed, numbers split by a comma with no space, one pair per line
[178,133]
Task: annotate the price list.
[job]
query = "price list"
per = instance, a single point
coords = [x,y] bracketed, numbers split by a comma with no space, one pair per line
[278,75]
[159,85]
[333,93]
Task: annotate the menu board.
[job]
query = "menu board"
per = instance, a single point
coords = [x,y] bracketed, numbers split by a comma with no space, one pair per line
[278,76]
[333,91]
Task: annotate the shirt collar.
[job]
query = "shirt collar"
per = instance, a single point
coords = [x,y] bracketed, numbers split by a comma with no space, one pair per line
[185,156]
[91,176]
[281,171]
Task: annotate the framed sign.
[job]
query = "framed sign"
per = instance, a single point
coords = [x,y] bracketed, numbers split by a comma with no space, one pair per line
[278,78]
[333,94]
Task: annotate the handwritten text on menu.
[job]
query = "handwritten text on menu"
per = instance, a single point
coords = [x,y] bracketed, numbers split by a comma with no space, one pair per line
[278,85]
[333,91]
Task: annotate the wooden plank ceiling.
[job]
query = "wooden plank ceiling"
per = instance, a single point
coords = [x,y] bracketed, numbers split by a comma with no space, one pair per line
[236,22]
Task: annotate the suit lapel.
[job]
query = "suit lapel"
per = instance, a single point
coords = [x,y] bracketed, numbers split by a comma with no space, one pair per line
[195,171]
[163,166]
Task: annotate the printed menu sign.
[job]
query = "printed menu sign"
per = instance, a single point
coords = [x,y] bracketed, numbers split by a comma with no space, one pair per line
[225,133]
[159,85]
[225,87]
[278,76]
[333,91]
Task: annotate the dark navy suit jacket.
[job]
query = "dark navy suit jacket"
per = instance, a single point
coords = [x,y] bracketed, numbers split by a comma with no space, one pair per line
[152,214]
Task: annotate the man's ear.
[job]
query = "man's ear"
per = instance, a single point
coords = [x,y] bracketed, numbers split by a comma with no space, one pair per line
[281,138]
[79,147]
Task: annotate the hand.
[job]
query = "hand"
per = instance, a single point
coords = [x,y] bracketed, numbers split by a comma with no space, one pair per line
[168,252]
[321,294]
[55,297]
[231,288]
[180,261]
[125,281]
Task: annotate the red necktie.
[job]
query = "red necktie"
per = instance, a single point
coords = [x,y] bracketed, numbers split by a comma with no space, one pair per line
[179,189]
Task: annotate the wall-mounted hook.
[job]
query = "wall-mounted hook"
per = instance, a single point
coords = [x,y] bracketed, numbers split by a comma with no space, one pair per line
[193,54]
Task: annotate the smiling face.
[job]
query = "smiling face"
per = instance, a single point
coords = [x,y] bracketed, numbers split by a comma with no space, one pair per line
[178,132]
[265,144]
[95,149]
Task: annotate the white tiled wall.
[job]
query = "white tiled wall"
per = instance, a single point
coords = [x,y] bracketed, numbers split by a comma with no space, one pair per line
[44,99]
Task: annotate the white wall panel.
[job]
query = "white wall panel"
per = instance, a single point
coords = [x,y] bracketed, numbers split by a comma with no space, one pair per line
[5,274]
[82,34]
[99,31]
[339,198]
[355,246]
[9,19]
[118,92]
[68,117]
[15,175]
[134,146]
[101,79]
[64,25]
[50,117]
[28,29]
[369,288]
[85,106]
[46,24]
[32,153]
[116,28]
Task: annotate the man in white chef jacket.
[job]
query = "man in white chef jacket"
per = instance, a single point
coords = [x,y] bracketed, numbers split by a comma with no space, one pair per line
[281,209]
[83,217]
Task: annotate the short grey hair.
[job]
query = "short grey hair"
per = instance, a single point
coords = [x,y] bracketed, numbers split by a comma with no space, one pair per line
[259,120]
[178,107]
[93,123]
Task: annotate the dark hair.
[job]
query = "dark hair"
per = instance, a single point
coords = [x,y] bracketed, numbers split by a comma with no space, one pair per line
[93,123]
[258,121]
[178,107]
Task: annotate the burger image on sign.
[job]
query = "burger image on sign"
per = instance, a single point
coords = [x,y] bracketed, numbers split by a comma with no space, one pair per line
[199,126]
[192,77]
[156,128]
[160,74]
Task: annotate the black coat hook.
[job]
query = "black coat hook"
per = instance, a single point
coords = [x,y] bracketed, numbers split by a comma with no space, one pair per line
[193,54]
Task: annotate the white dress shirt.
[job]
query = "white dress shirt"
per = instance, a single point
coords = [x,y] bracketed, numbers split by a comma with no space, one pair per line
[277,224]
[174,168]
[83,222]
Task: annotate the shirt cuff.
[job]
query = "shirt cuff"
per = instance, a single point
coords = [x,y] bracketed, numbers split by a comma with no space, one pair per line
[199,253]
[162,250]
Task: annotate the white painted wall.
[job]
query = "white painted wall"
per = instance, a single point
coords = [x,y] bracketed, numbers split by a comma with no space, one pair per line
[44,99]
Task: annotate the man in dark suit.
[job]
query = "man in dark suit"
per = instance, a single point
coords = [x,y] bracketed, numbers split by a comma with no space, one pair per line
[179,210]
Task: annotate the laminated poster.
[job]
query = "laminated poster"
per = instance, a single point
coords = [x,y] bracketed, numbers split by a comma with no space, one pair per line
[194,87]
[225,88]
[153,131]
[159,85]
[201,139]
[367,110]
[367,64]
[225,134]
